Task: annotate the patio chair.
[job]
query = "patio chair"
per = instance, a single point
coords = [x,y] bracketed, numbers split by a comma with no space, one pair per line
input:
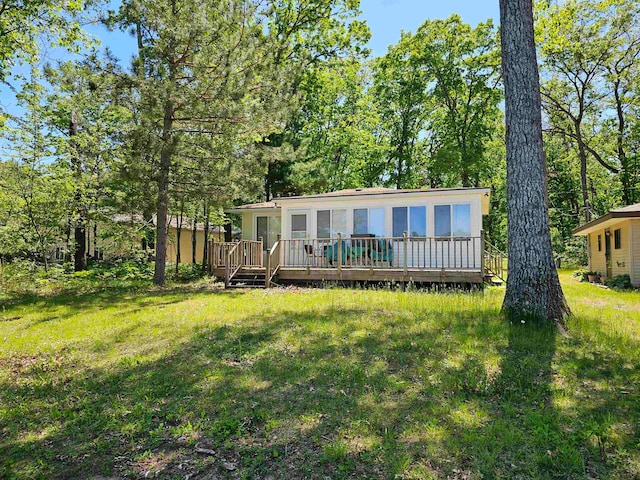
[331,252]
[382,251]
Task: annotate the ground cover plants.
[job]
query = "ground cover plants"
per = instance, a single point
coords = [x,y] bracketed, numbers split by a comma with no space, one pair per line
[190,381]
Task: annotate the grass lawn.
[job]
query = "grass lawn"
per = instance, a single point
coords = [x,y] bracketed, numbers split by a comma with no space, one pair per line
[201,384]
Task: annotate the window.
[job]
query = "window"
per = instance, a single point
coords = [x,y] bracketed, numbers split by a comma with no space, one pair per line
[268,228]
[331,222]
[462,220]
[442,220]
[599,243]
[360,221]
[400,221]
[617,239]
[453,220]
[299,226]
[324,223]
[415,223]
[368,221]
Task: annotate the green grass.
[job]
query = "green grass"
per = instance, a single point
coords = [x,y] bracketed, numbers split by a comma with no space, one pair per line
[316,384]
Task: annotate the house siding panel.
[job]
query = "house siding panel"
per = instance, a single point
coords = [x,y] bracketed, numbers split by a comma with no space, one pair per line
[620,260]
[247,226]
[597,262]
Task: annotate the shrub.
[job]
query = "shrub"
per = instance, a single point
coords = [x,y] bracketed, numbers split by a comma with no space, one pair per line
[621,282]
[187,272]
[583,274]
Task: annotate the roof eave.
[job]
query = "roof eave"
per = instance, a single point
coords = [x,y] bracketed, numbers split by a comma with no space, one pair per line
[383,194]
[590,227]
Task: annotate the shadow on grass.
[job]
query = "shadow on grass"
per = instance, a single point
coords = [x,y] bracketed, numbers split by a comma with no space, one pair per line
[311,394]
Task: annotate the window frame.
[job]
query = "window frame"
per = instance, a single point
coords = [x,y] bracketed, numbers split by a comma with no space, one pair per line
[617,239]
[368,218]
[332,226]
[451,221]
[599,242]
[407,209]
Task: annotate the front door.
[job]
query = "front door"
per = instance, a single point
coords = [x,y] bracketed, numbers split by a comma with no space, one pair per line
[607,251]
[295,253]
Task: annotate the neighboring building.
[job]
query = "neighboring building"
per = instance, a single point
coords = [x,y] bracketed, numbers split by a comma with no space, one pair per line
[368,234]
[122,238]
[613,243]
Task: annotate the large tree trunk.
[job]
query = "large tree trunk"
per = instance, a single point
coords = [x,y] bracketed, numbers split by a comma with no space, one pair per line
[533,287]
[163,195]
[79,231]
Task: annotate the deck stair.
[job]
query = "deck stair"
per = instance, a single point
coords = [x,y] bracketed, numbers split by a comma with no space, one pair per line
[495,271]
[248,279]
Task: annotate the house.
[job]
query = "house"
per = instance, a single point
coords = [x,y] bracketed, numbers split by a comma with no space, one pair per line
[362,234]
[122,238]
[613,243]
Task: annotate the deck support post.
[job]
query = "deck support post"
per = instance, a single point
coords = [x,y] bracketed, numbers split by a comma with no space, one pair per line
[260,252]
[339,256]
[267,272]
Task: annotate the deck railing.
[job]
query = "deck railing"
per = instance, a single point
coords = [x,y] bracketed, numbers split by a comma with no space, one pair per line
[406,252]
[494,261]
[245,253]
[218,253]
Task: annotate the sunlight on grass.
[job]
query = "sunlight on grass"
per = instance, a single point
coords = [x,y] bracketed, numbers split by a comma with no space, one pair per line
[331,383]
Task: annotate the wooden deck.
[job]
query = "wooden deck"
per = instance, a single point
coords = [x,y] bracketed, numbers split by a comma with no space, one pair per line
[394,275]
[468,260]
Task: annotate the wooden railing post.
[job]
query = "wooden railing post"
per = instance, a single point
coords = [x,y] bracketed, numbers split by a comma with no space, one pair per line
[405,249]
[267,273]
[260,252]
[339,254]
[482,252]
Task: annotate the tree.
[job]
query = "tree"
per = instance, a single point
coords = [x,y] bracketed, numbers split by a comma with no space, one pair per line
[590,55]
[533,286]
[36,193]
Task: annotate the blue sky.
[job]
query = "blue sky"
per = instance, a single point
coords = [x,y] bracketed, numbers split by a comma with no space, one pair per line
[386,19]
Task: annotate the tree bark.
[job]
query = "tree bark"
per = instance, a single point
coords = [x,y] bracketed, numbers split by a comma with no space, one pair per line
[79,231]
[533,287]
[163,194]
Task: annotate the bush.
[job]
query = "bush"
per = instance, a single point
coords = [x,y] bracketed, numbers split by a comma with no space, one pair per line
[620,282]
[187,272]
[583,274]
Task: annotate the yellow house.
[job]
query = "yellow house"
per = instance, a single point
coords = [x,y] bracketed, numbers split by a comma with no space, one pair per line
[186,241]
[103,244]
[613,243]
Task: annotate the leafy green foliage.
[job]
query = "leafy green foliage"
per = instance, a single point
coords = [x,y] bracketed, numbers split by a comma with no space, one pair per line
[622,282]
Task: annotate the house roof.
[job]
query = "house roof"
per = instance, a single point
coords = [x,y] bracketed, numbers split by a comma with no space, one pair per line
[351,192]
[357,192]
[614,216]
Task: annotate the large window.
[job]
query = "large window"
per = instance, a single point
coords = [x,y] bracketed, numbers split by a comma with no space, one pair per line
[368,220]
[410,219]
[453,220]
[331,222]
